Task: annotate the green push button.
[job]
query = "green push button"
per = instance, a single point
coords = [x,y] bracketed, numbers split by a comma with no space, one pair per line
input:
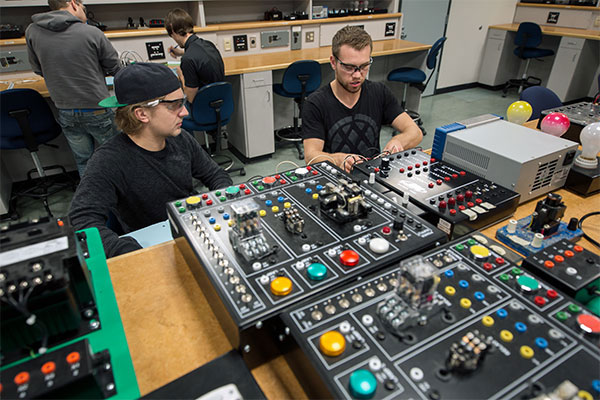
[232,190]
[528,284]
[222,198]
[562,316]
[181,209]
[260,188]
[362,384]
[516,271]
[460,247]
[316,271]
[177,203]
[288,173]
[218,193]
[504,277]
[255,183]
[471,242]
[574,308]
[294,178]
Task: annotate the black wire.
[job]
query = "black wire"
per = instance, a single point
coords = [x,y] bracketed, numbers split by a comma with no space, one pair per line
[580,226]
[255,177]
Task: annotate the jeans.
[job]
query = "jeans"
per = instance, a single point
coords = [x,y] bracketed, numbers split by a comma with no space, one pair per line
[82,128]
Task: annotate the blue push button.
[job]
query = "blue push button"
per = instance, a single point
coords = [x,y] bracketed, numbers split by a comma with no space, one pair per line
[463,284]
[479,296]
[319,187]
[280,199]
[596,385]
[268,203]
[308,190]
[501,313]
[520,327]
[362,384]
[226,216]
[212,220]
[316,271]
[541,342]
[449,273]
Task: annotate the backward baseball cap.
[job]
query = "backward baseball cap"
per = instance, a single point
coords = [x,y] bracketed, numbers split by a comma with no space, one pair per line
[140,82]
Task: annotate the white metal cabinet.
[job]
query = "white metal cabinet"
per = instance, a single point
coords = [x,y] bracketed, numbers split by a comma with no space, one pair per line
[499,64]
[251,129]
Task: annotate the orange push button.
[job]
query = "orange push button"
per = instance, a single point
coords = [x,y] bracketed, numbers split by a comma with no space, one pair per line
[569,253]
[73,357]
[559,258]
[548,264]
[349,258]
[332,343]
[22,378]
[48,368]
[281,286]
[578,249]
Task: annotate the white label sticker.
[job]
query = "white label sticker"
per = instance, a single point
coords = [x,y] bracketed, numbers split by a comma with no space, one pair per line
[444,225]
[34,250]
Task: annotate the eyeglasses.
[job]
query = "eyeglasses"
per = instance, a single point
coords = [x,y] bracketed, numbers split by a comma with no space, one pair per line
[172,105]
[350,68]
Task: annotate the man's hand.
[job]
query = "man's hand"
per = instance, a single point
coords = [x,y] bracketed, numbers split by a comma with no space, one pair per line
[176,51]
[393,147]
[346,161]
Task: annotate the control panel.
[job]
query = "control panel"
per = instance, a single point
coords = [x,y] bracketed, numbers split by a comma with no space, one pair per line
[455,200]
[261,246]
[240,42]
[460,321]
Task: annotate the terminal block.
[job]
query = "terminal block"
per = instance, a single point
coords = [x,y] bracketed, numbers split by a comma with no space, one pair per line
[547,215]
[246,235]
[467,354]
[414,299]
[294,223]
[344,202]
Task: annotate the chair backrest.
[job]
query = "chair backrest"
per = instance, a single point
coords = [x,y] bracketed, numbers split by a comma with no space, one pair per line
[540,99]
[207,98]
[26,120]
[529,35]
[308,70]
[434,52]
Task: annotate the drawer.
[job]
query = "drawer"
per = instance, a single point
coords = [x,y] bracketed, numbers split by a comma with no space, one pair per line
[257,79]
[497,34]
[572,43]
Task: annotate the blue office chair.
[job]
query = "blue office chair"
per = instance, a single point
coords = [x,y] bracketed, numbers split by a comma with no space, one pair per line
[300,79]
[415,77]
[529,37]
[26,123]
[211,111]
[540,99]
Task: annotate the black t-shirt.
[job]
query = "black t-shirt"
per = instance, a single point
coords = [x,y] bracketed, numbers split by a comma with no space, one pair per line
[346,130]
[201,63]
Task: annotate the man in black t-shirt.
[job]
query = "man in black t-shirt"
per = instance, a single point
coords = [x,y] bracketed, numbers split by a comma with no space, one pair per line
[341,121]
[201,62]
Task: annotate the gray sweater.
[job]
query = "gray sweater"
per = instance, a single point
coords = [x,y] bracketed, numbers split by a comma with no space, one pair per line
[135,185]
[73,58]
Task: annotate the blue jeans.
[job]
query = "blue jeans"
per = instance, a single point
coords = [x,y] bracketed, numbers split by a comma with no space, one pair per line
[82,128]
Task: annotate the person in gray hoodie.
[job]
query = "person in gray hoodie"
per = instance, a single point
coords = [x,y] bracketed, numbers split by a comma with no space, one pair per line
[74,58]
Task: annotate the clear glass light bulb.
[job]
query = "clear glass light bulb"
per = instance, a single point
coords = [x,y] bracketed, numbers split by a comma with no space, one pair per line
[590,142]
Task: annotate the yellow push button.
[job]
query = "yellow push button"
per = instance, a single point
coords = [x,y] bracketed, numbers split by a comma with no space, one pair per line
[193,201]
[526,352]
[465,303]
[315,196]
[281,286]
[450,291]
[479,252]
[506,336]
[217,227]
[287,204]
[230,223]
[332,343]
[585,395]
[487,321]
[262,213]
[275,209]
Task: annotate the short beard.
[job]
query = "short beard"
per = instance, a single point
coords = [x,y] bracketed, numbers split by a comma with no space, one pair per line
[348,88]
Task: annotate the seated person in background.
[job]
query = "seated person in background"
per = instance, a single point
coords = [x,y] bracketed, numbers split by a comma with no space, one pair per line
[201,62]
[342,121]
[152,162]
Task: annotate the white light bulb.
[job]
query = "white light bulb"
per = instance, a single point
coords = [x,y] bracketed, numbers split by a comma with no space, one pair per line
[590,142]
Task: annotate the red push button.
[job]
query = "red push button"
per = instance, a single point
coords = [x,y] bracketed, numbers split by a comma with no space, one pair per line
[425,163]
[551,294]
[478,201]
[204,196]
[417,165]
[460,198]
[277,176]
[439,181]
[386,230]
[470,204]
[539,300]
[376,169]
[589,323]
[500,261]
[409,168]
[73,357]
[462,173]
[432,159]
[268,180]
[247,191]
[349,258]
[454,176]
[468,194]
[314,172]
[430,185]
[451,202]
[60,223]
[452,212]
[548,264]
[559,258]
[447,178]
[209,202]
[48,368]
[442,205]
[242,186]
[578,249]
[569,253]
[461,207]
[488,266]
[282,181]
[21,378]
[308,167]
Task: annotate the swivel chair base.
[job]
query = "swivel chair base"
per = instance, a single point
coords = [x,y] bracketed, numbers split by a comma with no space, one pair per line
[522,84]
[221,159]
[291,134]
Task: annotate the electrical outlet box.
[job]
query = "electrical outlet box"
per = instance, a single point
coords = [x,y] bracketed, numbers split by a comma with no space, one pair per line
[155,50]
[227,44]
[597,21]
[309,37]
[296,38]
[274,39]
[240,43]
[16,60]
[252,42]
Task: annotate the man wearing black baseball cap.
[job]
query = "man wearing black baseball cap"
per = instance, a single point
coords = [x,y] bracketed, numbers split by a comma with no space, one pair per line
[134,174]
